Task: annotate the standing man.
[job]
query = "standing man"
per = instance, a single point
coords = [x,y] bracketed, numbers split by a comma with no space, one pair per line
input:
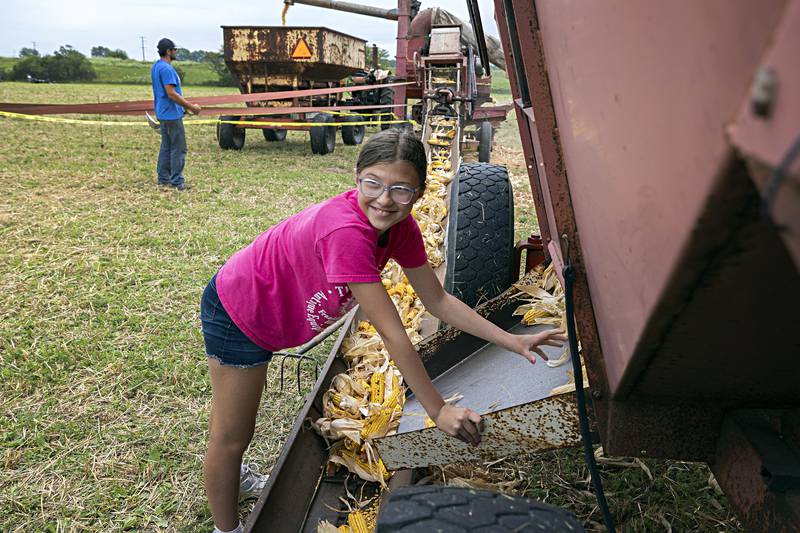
[170,105]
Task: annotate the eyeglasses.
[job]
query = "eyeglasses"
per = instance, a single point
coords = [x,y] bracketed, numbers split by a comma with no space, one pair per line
[372,188]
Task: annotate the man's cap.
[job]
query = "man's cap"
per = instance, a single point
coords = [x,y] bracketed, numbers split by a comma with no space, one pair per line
[164,45]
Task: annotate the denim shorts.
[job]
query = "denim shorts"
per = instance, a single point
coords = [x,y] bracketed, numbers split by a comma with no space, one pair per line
[224,341]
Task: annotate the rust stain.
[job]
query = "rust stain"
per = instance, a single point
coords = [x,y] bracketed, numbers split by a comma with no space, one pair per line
[271,57]
[542,425]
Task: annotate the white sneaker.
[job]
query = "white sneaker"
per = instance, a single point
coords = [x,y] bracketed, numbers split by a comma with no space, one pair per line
[251,483]
[239,529]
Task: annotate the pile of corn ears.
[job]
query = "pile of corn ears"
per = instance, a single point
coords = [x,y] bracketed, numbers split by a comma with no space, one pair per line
[544,303]
[366,402]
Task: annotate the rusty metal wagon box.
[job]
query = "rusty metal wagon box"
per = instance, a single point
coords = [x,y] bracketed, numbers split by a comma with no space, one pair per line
[290,56]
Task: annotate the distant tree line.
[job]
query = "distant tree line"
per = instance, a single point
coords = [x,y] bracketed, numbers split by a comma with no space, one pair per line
[66,64]
[215,60]
[102,51]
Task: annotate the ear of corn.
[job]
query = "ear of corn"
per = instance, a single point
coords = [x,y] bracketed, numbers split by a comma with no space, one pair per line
[376,387]
[394,398]
[357,522]
[378,425]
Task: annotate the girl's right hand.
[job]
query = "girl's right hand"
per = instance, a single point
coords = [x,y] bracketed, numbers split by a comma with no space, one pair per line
[460,422]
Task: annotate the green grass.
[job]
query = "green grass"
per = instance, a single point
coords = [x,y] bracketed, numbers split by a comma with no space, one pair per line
[103,382]
[501,88]
[131,71]
[112,70]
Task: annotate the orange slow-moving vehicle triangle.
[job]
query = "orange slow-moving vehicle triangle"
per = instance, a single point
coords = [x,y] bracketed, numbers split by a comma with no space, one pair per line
[301,50]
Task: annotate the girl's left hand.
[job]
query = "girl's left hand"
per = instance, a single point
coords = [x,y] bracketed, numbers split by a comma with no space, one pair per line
[527,345]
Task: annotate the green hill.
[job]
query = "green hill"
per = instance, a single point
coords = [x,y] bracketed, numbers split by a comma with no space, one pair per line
[112,70]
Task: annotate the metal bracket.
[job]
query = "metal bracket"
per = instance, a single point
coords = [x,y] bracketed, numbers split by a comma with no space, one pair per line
[299,354]
[780,457]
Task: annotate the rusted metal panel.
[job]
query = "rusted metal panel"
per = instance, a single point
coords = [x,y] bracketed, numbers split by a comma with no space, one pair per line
[713,350]
[502,387]
[547,173]
[641,124]
[752,449]
[306,53]
[764,132]
[546,424]
[674,251]
[667,428]
[494,114]
[402,59]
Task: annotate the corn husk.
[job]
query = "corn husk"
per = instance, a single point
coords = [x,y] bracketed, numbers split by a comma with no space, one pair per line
[352,414]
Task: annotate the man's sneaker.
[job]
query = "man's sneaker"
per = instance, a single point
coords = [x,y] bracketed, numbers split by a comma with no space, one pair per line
[251,483]
[183,187]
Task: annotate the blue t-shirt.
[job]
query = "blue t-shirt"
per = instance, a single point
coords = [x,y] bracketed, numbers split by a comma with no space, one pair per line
[163,74]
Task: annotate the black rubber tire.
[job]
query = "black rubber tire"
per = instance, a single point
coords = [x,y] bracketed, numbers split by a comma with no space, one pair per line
[386,99]
[353,135]
[424,509]
[229,136]
[485,142]
[271,135]
[323,138]
[480,242]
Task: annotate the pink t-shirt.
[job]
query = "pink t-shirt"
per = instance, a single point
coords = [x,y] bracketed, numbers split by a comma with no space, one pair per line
[291,282]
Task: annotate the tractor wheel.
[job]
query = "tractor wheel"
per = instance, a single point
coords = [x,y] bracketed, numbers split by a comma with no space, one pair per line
[229,136]
[485,142]
[425,508]
[480,241]
[353,134]
[386,99]
[323,138]
[271,135]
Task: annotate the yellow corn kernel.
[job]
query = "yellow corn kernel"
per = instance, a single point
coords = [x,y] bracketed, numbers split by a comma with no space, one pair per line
[378,424]
[394,398]
[384,472]
[376,387]
[357,523]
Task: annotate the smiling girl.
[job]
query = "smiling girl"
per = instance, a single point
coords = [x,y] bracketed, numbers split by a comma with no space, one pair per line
[304,273]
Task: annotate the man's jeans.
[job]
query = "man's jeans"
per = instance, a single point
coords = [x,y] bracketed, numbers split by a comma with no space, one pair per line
[172,156]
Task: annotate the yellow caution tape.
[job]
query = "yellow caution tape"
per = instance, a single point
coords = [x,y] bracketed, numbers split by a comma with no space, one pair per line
[357,114]
[40,118]
[203,122]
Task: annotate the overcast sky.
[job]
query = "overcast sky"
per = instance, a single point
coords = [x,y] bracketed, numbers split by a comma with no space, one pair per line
[193,24]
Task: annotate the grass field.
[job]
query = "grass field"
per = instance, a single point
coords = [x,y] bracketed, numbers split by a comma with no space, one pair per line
[131,71]
[103,384]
